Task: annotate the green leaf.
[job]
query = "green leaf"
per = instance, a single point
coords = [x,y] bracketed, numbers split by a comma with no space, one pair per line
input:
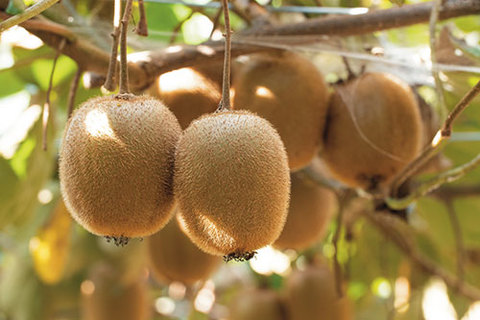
[43,68]
[11,83]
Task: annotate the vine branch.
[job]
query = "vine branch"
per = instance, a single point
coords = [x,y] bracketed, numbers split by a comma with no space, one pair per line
[30,12]
[437,143]
[143,72]
[388,225]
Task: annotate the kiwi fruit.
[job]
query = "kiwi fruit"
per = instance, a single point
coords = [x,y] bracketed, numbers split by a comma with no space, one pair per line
[310,211]
[232,183]
[374,130]
[253,303]
[116,165]
[103,297]
[173,257]
[187,92]
[289,91]
[311,295]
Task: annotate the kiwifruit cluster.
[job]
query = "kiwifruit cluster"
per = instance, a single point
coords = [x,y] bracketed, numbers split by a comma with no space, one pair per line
[173,257]
[232,183]
[116,165]
[257,303]
[309,214]
[188,93]
[289,91]
[311,295]
[373,130]
[104,297]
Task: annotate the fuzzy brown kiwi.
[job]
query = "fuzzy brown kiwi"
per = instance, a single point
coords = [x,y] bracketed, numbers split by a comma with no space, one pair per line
[173,257]
[374,130]
[310,211]
[232,183]
[253,303]
[311,295]
[103,297]
[116,165]
[289,91]
[187,92]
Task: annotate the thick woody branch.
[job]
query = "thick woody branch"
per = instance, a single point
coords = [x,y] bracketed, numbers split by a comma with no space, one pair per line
[143,72]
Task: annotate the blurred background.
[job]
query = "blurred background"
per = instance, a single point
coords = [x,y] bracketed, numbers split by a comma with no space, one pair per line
[51,268]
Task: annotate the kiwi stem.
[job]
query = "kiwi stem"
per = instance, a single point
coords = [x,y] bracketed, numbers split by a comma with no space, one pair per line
[142,27]
[110,84]
[46,106]
[225,102]
[73,91]
[123,48]
[30,12]
[437,143]
[437,5]
[432,184]
[457,231]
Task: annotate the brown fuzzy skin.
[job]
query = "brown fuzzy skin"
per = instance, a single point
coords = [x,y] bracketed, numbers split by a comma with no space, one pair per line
[173,257]
[310,212]
[188,93]
[311,295]
[232,182]
[255,303]
[295,100]
[113,300]
[116,165]
[387,114]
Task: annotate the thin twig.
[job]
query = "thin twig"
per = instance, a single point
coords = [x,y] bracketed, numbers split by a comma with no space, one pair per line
[124,86]
[437,5]
[110,84]
[30,12]
[457,232]
[432,184]
[216,21]
[73,91]
[178,27]
[438,141]
[142,27]
[459,108]
[225,102]
[388,225]
[46,106]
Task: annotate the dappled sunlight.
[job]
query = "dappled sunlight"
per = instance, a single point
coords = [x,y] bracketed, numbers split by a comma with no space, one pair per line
[185,79]
[17,130]
[436,305]
[87,287]
[98,125]
[205,297]
[268,261]
[264,92]
[402,294]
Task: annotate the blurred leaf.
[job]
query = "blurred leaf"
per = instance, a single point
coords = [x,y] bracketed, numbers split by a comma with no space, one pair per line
[19,160]
[43,68]
[10,83]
